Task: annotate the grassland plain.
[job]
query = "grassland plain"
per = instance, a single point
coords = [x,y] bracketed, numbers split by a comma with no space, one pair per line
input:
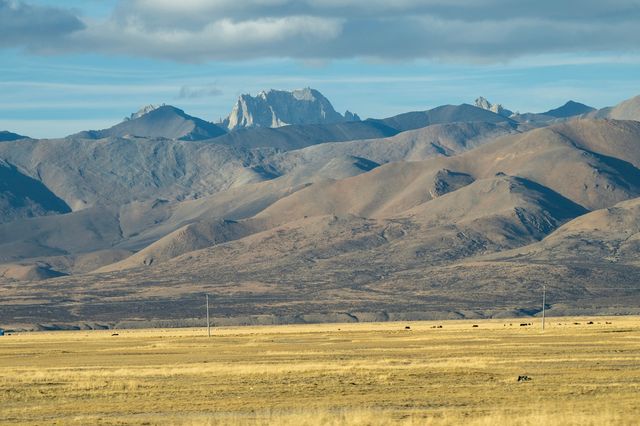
[367,374]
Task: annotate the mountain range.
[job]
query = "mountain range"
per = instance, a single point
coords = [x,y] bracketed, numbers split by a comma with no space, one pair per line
[291,212]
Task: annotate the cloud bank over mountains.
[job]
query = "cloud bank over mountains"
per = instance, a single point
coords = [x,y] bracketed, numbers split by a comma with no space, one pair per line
[200,30]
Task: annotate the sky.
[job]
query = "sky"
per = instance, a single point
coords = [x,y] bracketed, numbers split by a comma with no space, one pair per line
[72,65]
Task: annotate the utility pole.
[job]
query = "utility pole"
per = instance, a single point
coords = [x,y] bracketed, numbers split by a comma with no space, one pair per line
[209,323]
[544,300]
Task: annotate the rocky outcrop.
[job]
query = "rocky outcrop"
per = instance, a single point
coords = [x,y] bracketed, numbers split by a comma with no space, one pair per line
[143,111]
[277,108]
[495,108]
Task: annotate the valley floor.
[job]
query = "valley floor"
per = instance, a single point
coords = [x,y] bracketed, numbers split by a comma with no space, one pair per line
[581,371]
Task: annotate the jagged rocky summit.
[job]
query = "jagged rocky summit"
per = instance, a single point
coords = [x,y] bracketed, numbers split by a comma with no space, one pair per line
[496,108]
[143,111]
[278,108]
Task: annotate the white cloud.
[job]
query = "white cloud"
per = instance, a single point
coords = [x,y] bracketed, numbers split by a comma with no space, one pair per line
[34,27]
[221,39]
[317,30]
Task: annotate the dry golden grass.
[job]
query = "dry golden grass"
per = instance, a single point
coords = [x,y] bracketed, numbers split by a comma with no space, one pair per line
[362,374]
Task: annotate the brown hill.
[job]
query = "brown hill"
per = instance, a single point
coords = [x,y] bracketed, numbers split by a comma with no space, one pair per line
[592,163]
[564,156]
[625,110]
[606,235]
[473,234]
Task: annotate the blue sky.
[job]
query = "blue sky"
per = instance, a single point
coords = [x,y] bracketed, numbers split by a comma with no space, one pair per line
[95,61]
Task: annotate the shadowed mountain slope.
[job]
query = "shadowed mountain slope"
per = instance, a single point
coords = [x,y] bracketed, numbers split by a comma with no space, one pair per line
[608,235]
[115,171]
[570,109]
[24,197]
[6,136]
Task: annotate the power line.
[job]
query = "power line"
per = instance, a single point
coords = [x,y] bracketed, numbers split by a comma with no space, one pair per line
[208,322]
[544,296]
